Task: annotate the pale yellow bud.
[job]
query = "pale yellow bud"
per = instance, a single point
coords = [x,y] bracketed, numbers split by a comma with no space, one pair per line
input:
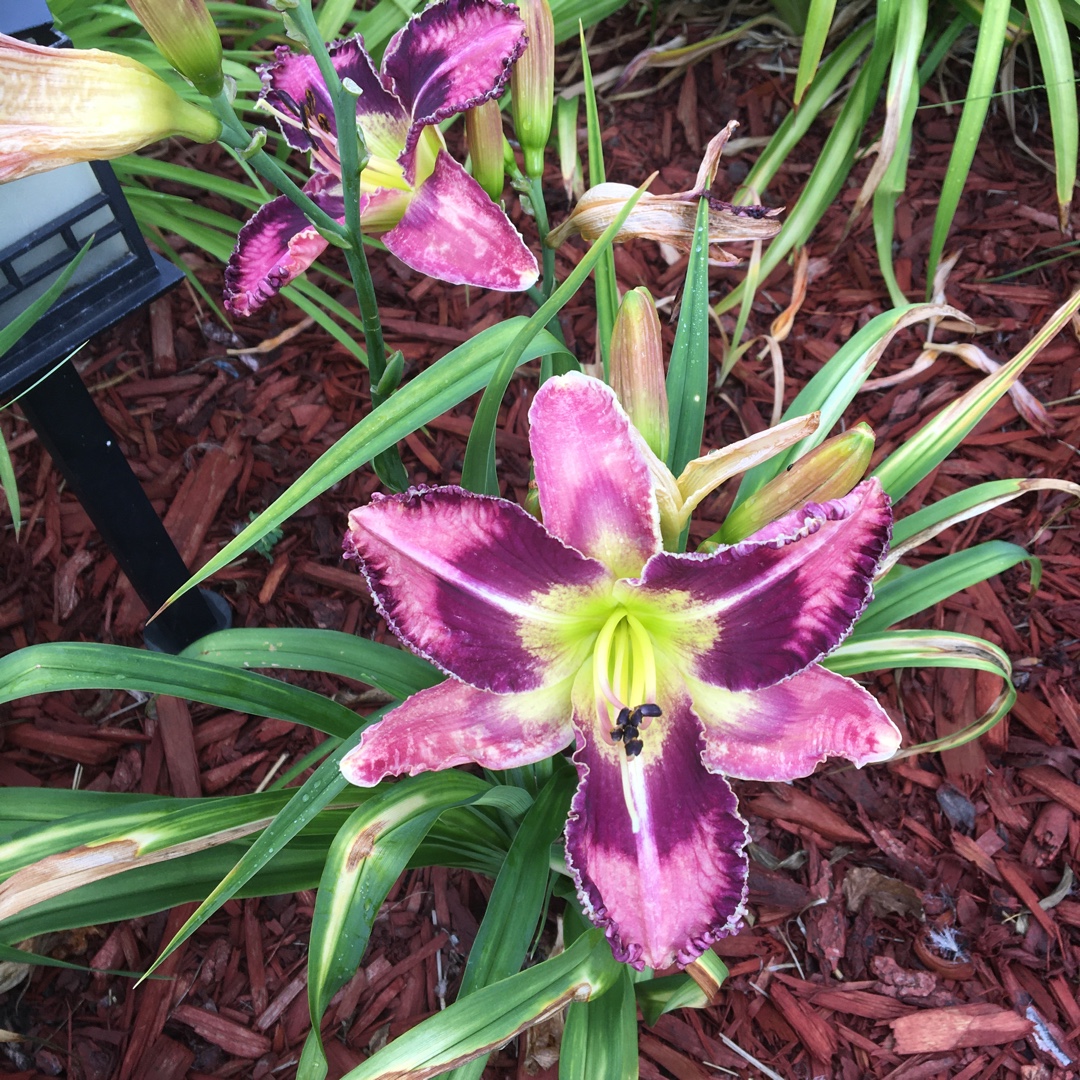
[185,33]
[637,368]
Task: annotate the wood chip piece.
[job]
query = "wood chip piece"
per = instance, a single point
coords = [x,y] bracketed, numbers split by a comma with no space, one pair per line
[232,1037]
[934,1030]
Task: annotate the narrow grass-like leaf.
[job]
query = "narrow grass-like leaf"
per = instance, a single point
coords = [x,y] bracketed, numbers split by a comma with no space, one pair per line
[395,671]
[434,391]
[818,24]
[921,588]
[517,899]
[797,122]
[1054,43]
[601,1036]
[688,368]
[494,1014]
[368,854]
[478,471]
[607,289]
[9,484]
[835,385]
[833,165]
[917,649]
[915,529]
[75,665]
[936,439]
[984,69]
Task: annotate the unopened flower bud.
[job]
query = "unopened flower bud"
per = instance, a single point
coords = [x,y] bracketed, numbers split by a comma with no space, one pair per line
[483,133]
[637,368]
[185,33]
[532,85]
[829,471]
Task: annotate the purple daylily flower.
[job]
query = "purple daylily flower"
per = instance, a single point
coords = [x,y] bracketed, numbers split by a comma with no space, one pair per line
[430,213]
[668,671]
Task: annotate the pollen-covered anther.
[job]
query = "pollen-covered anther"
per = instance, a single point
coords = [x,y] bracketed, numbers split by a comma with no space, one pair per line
[628,726]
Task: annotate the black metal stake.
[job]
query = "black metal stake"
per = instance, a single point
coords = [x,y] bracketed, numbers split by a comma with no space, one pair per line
[85,451]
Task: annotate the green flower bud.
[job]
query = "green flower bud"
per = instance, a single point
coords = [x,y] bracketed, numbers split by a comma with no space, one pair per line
[185,33]
[532,85]
[828,472]
[483,133]
[637,368]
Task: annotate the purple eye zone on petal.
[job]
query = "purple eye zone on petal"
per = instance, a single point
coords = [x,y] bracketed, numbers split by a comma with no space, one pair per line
[628,724]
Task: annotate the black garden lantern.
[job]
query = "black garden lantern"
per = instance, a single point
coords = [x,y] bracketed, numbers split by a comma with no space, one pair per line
[44,220]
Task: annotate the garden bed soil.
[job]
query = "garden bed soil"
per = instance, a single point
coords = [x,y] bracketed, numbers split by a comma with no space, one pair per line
[836,976]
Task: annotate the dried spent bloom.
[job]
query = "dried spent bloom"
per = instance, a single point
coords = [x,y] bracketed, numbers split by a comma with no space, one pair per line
[670,219]
[427,209]
[61,106]
[185,33]
[665,671]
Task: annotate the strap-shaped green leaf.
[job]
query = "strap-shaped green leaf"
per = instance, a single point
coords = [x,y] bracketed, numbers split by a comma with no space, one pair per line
[607,289]
[920,589]
[434,391]
[984,71]
[688,368]
[818,23]
[935,440]
[395,671]
[917,649]
[41,669]
[1054,42]
[601,1035]
[835,385]
[517,900]
[494,1014]
[368,854]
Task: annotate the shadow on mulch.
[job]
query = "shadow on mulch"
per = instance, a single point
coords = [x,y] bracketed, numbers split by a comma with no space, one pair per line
[906,920]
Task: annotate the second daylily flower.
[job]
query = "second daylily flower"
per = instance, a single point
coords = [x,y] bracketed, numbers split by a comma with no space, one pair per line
[667,671]
[429,212]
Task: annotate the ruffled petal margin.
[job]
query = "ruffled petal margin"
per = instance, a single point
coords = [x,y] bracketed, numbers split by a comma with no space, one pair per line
[757,612]
[450,57]
[275,247]
[452,231]
[787,730]
[477,586]
[595,487]
[666,889]
[456,724]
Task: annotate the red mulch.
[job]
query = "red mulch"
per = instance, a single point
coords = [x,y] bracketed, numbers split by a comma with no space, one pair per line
[848,969]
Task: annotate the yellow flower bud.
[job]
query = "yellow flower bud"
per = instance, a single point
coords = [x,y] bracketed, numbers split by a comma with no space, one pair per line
[637,368]
[829,471]
[60,106]
[185,33]
[483,133]
[532,85]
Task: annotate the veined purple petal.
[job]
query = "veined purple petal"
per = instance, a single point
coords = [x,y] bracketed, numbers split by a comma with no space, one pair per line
[757,612]
[787,730]
[295,87]
[452,56]
[479,587]
[668,878]
[596,492]
[452,231]
[454,724]
[276,246]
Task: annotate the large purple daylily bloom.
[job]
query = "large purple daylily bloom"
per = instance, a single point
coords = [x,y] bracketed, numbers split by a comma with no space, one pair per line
[668,671]
[430,213]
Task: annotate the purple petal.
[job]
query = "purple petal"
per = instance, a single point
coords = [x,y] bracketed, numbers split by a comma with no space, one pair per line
[478,586]
[455,724]
[452,231]
[450,57]
[276,246]
[752,614]
[667,885]
[596,492]
[295,87]
[787,730]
